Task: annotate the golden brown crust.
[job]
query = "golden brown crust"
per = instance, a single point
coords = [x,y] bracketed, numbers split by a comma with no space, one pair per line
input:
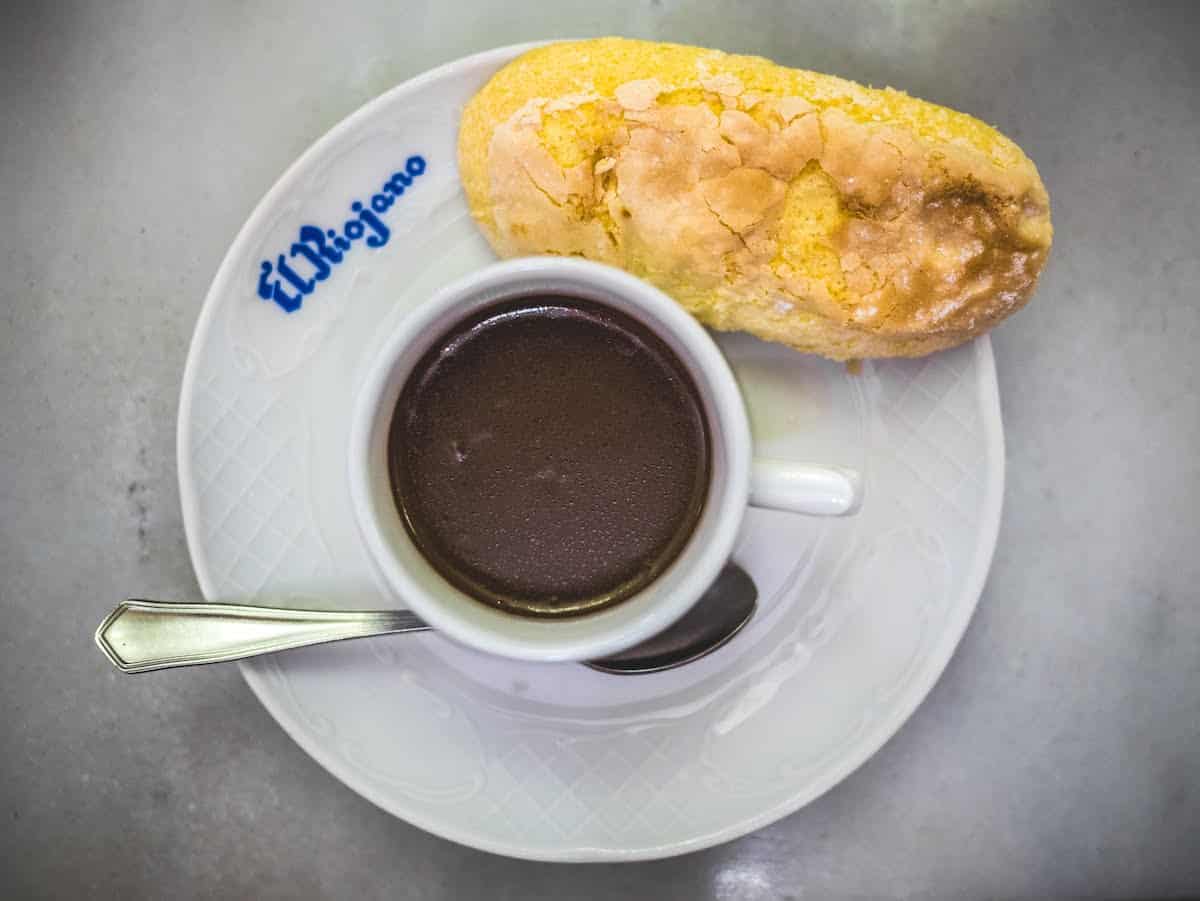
[803,208]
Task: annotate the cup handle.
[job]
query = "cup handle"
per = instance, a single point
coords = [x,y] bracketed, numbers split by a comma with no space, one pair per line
[805,488]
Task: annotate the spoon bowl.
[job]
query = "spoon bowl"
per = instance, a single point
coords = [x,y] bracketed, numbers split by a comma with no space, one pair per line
[719,615]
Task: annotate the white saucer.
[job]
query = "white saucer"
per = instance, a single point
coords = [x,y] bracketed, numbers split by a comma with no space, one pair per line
[857,617]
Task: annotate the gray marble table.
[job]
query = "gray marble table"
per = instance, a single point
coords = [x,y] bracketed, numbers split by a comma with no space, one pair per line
[1059,754]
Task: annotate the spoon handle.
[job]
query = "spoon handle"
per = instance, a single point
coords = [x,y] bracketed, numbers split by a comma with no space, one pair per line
[140,636]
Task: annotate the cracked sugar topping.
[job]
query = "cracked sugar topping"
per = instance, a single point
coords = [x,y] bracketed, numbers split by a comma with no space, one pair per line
[774,207]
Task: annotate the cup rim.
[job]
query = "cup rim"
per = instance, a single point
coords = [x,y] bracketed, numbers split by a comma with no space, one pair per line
[406,572]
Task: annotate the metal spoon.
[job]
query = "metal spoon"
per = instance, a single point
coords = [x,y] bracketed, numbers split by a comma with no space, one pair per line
[139,636]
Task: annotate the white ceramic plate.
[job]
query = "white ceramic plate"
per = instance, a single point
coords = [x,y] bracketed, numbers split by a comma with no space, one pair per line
[857,617]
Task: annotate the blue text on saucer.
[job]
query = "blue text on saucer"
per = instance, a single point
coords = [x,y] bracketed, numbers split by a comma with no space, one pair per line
[320,250]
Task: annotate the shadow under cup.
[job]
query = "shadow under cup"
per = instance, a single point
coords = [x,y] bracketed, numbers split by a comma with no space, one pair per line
[417,584]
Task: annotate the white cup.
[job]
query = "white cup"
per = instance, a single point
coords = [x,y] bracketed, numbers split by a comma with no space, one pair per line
[736,478]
